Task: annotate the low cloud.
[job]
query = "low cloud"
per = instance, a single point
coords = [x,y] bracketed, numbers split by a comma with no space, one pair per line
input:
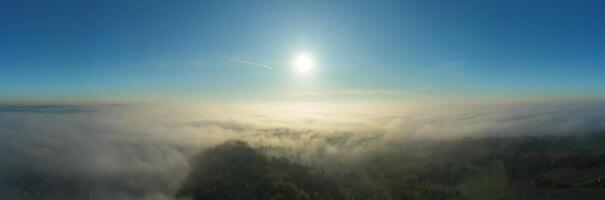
[45,109]
[143,152]
[348,92]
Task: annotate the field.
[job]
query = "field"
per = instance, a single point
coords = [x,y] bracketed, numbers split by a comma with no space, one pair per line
[486,183]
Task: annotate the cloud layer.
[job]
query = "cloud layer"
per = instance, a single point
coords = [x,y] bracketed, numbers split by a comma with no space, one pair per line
[142,152]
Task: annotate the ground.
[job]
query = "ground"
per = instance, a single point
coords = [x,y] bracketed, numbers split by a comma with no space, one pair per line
[486,183]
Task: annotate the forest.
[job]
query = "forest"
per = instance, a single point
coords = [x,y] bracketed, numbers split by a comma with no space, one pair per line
[467,168]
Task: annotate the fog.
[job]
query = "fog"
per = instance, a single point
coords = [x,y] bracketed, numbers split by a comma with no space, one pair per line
[144,151]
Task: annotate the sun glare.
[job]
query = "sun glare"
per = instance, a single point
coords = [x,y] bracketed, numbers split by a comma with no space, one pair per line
[304,63]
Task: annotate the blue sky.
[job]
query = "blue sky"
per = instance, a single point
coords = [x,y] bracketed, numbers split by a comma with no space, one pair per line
[363,50]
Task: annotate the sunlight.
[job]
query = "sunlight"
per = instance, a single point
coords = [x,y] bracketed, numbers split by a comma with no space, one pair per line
[303,63]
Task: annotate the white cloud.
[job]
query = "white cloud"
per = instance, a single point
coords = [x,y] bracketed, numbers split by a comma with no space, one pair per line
[132,152]
[347,92]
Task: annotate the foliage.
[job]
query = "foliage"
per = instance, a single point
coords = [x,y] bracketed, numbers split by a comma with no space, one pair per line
[471,168]
[234,170]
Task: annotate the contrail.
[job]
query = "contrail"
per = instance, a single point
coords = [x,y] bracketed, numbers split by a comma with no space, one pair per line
[247,62]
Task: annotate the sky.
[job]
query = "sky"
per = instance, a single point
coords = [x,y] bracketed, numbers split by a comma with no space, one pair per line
[243,51]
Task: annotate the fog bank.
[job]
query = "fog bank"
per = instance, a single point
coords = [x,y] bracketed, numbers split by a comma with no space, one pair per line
[143,151]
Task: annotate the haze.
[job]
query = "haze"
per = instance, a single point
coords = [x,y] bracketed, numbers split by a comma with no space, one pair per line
[302,100]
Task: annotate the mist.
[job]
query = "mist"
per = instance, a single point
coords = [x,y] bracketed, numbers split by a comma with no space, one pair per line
[145,151]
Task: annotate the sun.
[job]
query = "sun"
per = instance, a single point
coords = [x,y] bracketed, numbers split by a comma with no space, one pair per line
[303,63]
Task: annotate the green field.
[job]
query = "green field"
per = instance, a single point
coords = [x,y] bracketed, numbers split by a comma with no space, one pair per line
[486,183]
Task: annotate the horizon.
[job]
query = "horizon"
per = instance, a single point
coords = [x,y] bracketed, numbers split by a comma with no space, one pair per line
[302,100]
[79,52]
